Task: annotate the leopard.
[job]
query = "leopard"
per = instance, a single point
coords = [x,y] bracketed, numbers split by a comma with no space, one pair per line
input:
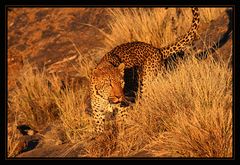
[106,91]
[149,61]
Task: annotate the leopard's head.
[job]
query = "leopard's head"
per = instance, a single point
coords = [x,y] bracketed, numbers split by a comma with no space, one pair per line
[109,82]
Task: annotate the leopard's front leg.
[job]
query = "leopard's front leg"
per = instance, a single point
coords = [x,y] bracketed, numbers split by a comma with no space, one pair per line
[99,120]
[99,114]
[122,112]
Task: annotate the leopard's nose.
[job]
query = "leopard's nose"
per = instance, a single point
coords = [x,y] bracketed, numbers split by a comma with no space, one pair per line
[120,98]
[116,99]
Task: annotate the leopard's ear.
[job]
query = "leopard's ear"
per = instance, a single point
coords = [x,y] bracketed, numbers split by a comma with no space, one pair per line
[121,68]
[93,71]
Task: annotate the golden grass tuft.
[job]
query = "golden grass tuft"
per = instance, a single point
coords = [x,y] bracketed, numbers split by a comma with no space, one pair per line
[195,106]
[75,121]
[32,100]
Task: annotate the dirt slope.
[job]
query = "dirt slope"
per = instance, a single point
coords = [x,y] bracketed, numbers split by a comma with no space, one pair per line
[45,36]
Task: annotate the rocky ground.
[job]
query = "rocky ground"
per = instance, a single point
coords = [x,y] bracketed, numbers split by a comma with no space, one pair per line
[48,37]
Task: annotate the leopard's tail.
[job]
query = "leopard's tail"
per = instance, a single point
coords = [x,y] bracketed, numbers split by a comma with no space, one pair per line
[187,39]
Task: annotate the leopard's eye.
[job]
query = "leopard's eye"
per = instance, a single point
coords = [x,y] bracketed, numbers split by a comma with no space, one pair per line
[122,83]
[111,84]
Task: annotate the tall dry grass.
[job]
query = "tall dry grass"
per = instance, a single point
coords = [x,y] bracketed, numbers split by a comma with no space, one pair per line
[195,106]
[186,113]
[32,100]
[41,101]
[158,26]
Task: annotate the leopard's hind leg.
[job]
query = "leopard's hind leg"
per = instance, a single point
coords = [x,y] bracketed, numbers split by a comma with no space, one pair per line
[150,69]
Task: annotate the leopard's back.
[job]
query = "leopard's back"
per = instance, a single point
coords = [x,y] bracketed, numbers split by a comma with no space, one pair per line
[132,54]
